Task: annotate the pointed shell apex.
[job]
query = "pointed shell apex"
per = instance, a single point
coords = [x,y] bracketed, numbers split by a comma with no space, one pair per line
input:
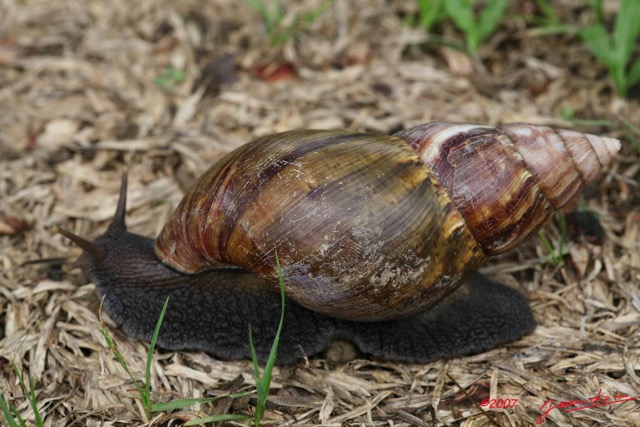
[612,144]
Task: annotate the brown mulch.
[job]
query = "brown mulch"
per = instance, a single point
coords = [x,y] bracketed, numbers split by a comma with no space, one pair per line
[85,93]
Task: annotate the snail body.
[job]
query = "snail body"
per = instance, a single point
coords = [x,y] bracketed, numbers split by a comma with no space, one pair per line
[379,237]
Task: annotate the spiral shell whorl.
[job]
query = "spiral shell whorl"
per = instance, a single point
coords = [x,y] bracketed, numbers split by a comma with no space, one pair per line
[373,227]
[507,182]
[361,226]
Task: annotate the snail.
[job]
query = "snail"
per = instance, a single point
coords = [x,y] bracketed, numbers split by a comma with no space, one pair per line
[379,238]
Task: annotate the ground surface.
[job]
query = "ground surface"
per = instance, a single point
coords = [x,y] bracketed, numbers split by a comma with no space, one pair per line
[84,94]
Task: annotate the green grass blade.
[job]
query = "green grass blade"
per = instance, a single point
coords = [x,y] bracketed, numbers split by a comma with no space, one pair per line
[261,7]
[551,17]
[184,403]
[263,382]
[268,369]
[113,347]
[8,416]
[599,43]
[552,253]
[281,36]
[257,416]
[23,423]
[554,29]
[490,17]
[272,16]
[254,357]
[312,15]
[634,74]
[626,30]
[30,394]
[33,401]
[461,13]
[431,11]
[152,346]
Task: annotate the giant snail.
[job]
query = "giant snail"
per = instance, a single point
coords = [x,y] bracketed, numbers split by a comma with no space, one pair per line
[379,238]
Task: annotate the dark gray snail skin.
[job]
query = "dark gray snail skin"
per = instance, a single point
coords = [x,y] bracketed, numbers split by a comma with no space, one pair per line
[211,311]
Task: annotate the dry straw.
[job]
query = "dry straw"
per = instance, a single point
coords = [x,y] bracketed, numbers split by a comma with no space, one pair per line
[78,104]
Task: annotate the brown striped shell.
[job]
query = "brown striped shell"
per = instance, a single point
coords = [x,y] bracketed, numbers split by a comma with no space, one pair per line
[371,227]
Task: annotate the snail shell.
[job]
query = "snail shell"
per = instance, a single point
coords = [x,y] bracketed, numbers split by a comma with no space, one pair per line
[374,227]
